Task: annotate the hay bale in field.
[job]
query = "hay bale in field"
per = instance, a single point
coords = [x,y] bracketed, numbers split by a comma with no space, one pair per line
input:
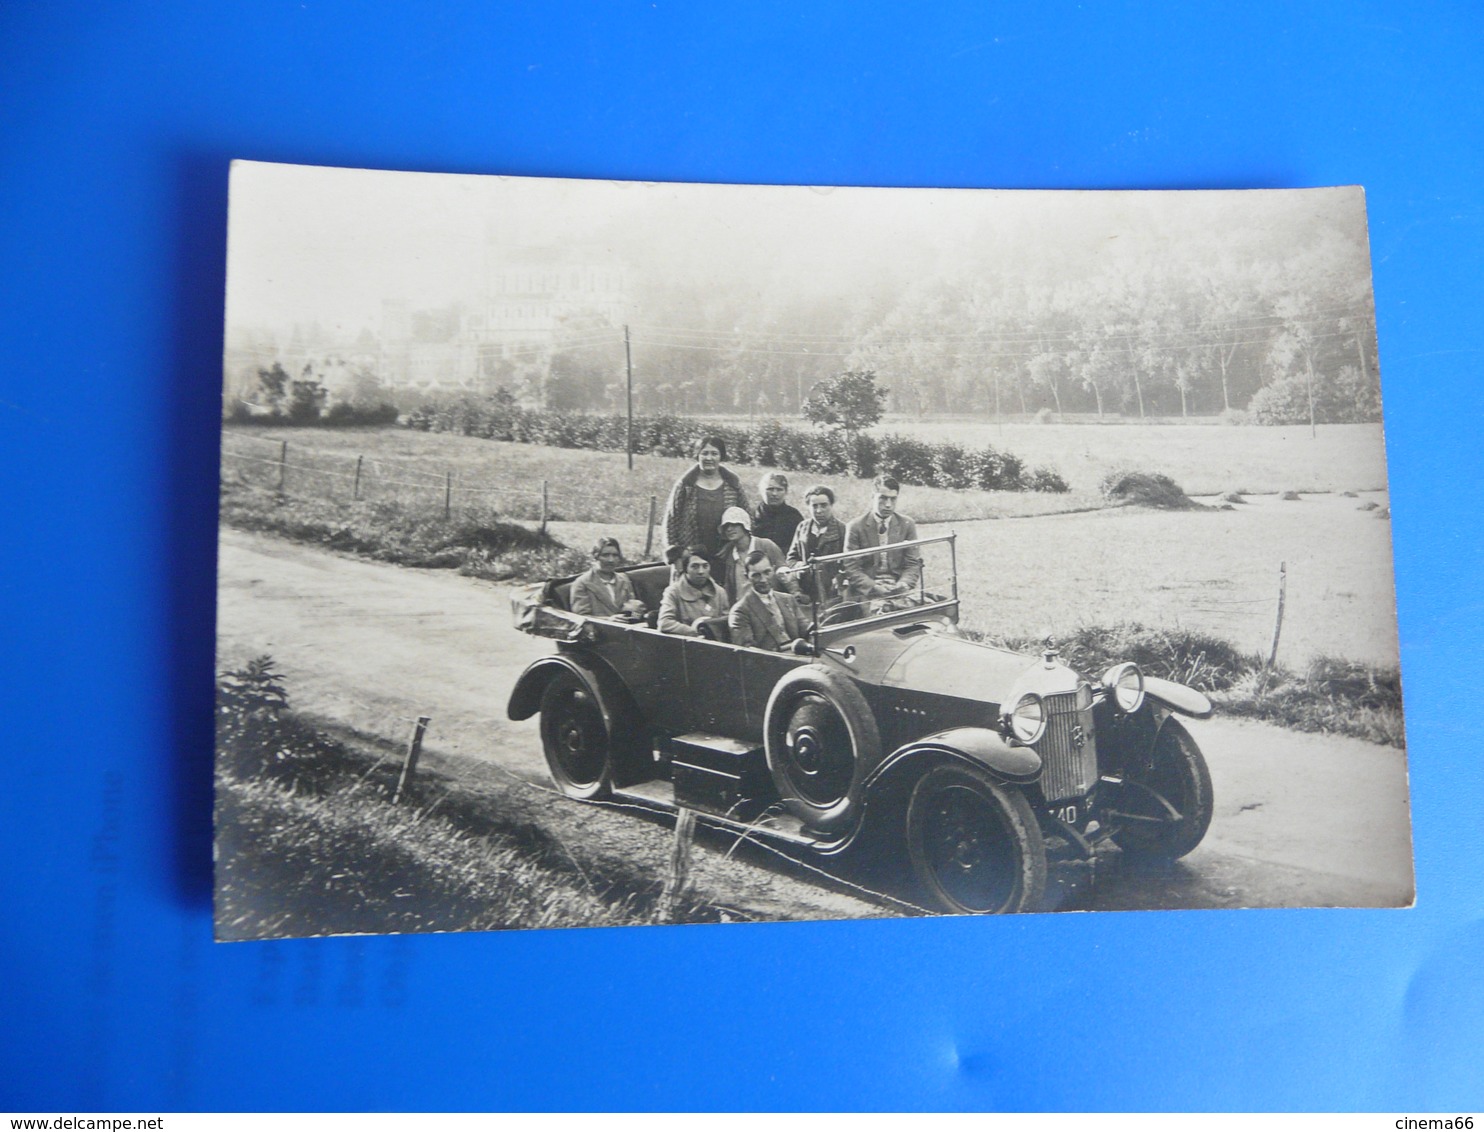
[1291,497]
[1232,497]
[1147,489]
[1368,505]
[1349,495]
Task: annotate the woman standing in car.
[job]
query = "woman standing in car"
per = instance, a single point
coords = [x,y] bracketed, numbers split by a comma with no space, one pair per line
[701,497]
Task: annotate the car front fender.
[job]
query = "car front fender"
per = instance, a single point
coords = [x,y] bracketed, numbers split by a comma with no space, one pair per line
[525,697]
[978,746]
[1177,697]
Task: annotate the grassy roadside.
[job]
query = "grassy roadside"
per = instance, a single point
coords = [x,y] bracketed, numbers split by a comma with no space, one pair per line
[478,543]
[308,843]
[1330,695]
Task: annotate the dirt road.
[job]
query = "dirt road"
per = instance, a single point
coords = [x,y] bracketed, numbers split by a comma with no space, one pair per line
[1301,820]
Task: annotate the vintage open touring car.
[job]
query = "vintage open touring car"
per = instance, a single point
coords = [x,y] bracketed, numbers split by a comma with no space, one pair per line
[970,759]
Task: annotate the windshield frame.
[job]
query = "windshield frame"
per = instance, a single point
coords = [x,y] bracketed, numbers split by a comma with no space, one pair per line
[908,614]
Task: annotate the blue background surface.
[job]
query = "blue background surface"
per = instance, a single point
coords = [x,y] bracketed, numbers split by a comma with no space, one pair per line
[116,126]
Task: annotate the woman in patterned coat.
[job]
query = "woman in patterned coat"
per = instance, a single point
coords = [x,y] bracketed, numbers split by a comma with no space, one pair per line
[701,497]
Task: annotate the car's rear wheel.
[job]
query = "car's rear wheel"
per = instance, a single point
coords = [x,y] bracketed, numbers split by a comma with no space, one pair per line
[576,738]
[975,845]
[821,740]
[1166,809]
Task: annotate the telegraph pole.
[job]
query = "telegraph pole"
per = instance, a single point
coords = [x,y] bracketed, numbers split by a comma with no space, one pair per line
[628,362]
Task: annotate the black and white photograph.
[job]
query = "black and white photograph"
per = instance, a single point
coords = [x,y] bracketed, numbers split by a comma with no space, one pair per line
[601,553]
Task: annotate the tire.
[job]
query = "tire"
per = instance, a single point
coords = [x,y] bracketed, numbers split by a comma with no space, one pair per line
[1179,776]
[576,739]
[975,845]
[821,741]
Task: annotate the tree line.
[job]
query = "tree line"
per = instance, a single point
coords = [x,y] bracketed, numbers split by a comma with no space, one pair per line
[1224,332]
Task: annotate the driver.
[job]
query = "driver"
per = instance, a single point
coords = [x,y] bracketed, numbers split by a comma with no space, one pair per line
[763,617]
[890,573]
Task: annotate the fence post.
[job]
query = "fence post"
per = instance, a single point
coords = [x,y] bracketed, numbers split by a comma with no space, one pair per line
[283,462]
[543,506]
[679,876]
[649,531]
[1267,667]
[447,492]
[1278,623]
[409,763]
[356,490]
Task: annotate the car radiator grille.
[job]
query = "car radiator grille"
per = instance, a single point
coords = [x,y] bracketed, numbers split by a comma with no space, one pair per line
[1069,753]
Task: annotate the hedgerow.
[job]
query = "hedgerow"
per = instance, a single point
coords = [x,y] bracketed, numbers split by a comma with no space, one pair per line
[767,443]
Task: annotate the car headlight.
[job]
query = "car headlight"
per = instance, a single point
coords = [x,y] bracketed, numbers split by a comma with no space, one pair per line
[1125,683]
[1027,718]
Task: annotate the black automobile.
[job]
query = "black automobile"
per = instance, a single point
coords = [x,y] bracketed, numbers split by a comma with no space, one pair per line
[972,760]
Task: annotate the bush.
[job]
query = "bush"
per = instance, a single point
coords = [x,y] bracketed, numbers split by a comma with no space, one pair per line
[1044,479]
[1347,398]
[257,738]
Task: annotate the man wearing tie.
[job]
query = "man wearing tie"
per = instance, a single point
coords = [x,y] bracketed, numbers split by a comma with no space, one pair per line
[890,573]
[765,618]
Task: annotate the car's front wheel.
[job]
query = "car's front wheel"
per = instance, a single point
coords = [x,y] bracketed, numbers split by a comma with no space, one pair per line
[975,845]
[576,739]
[1166,808]
[821,741]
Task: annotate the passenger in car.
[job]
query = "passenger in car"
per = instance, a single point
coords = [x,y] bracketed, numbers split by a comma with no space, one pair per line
[820,534]
[603,591]
[694,599]
[764,618]
[773,518]
[739,542]
[890,573]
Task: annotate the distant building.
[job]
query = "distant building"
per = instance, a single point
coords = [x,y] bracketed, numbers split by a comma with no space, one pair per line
[533,301]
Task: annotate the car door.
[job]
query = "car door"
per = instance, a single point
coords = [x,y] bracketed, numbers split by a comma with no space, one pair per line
[653,666]
[760,671]
[713,677]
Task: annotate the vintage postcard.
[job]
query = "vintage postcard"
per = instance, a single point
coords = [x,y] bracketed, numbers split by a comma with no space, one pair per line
[601,553]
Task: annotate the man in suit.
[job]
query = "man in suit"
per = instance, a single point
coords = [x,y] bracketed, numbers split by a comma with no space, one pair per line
[766,618]
[891,573]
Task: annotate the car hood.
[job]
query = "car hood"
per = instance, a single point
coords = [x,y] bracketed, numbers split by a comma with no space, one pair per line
[945,665]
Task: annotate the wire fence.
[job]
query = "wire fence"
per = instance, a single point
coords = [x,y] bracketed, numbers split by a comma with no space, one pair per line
[298,470]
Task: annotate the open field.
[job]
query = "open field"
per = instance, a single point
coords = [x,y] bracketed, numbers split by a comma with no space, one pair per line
[410,466]
[1204,459]
[1216,571]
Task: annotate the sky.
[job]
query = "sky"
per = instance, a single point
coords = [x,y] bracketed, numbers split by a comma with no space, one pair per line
[312,244]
